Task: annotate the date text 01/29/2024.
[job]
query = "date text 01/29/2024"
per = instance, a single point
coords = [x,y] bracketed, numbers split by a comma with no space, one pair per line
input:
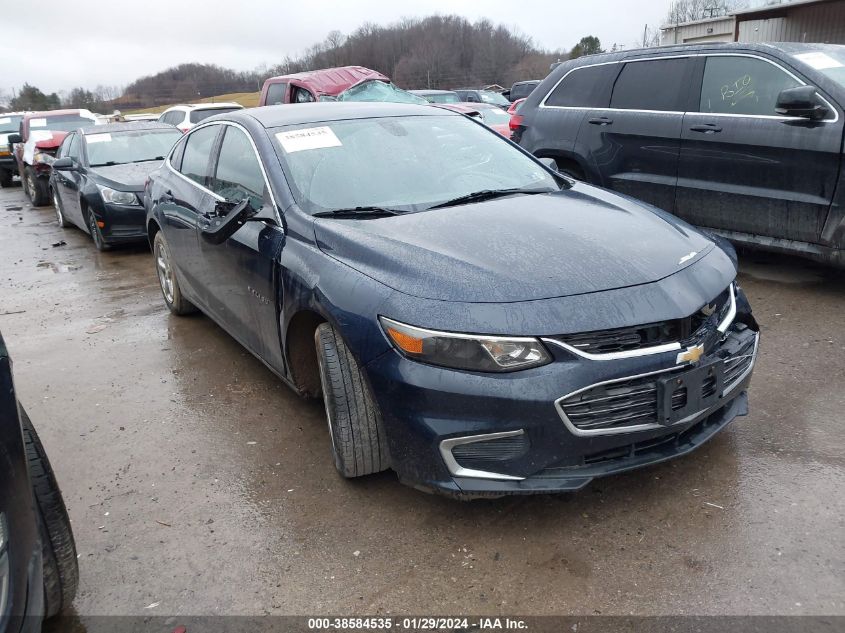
[423,623]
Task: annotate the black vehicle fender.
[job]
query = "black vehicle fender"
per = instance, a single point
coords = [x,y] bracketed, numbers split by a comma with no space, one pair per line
[314,288]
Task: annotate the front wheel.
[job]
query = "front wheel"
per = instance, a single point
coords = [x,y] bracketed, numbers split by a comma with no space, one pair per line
[36,188]
[58,549]
[168,280]
[60,216]
[359,445]
[96,235]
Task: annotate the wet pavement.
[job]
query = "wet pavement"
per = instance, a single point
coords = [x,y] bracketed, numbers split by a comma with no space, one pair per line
[197,482]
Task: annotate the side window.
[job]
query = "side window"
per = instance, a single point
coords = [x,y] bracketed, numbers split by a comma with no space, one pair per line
[63,149]
[301,95]
[586,87]
[165,118]
[742,85]
[653,85]
[238,174]
[197,152]
[276,93]
[73,148]
[176,156]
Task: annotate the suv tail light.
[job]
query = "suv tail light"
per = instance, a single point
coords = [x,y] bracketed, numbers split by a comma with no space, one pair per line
[517,127]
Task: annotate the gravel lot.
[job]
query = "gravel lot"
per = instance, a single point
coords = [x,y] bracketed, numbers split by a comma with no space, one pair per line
[197,481]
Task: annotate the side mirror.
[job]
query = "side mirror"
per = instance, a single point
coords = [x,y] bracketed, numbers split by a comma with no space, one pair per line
[802,102]
[64,164]
[14,138]
[228,219]
[551,163]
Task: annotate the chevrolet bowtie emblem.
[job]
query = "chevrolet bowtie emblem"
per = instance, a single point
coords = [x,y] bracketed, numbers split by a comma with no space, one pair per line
[691,355]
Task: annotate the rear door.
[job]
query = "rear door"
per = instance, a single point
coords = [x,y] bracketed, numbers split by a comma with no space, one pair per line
[241,274]
[634,144]
[182,195]
[554,130]
[743,167]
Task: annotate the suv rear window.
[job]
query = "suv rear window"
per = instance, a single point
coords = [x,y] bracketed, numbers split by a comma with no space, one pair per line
[199,115]
[653,85]
[586,87]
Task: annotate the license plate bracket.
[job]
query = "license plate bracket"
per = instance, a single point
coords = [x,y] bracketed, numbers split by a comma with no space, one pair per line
[711,374]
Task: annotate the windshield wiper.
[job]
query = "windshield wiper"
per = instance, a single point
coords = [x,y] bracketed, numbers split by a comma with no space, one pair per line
[109,163]
[486,194]
[365,211]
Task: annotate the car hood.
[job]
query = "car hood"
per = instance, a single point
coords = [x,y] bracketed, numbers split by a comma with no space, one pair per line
[519,248]
[126,177]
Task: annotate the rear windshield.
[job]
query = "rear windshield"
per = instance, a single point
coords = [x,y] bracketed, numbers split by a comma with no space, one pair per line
[60,123]
[445,97]
[488,96]
[9,123]
[137,146]
[829,61]
[495,116]
[200,115]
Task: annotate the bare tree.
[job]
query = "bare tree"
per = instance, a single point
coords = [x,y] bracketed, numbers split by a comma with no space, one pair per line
[681,11]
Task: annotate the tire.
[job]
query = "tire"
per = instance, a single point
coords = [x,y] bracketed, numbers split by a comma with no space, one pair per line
[60,216]
[61,571]
[36,188]
[168,280]
[359,444]
[5,178]
[94,230]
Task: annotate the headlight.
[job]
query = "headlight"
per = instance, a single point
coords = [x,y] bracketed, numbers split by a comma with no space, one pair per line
[4,565]
[465,351]
[117,197]
[42,157]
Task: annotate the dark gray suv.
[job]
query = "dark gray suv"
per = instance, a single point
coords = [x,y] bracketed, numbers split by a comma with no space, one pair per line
[743,139]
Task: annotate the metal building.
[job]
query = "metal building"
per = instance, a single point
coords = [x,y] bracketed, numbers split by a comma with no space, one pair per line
[796,21]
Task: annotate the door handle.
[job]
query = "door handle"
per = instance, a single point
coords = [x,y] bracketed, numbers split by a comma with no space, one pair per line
[600,120]
[706,128]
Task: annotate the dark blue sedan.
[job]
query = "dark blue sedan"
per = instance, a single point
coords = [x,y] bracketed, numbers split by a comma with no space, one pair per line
[473,320]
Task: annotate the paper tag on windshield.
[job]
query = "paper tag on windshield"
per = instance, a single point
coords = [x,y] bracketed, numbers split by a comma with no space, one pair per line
[309,138]
[4,120]
[819,61]
[98,138]
[37,122]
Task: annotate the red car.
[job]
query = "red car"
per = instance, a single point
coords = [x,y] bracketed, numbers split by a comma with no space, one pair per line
[312,85]
[494,117]
[41,133]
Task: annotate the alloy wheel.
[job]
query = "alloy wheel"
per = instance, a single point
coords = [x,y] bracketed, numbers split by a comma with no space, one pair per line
[58,208]
[165,272]
[95,231]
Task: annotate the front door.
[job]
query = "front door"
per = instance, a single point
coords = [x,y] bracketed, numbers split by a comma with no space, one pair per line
[634,144]
[184,196]
[68,181]
[241,274]
[744,168]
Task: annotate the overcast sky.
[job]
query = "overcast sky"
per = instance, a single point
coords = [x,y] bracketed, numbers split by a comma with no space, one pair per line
[59,45]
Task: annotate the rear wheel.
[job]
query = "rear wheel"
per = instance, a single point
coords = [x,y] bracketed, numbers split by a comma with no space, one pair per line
[168,279]
[5,178]
[570,168]
[36,188]
[61,572]
[359,445]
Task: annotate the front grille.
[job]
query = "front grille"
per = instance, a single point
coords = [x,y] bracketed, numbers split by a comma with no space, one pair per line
[484,454]
[633,402]
[688,330]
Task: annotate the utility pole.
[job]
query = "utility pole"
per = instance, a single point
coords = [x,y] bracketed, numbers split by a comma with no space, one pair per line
[428,78]
[645,35]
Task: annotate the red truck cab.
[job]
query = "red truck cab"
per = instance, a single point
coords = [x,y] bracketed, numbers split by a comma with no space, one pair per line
[315,85]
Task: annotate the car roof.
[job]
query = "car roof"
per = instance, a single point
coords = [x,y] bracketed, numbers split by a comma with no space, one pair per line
[319,112]
[332,81]
[128,126]
[48,113]
[204,106]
